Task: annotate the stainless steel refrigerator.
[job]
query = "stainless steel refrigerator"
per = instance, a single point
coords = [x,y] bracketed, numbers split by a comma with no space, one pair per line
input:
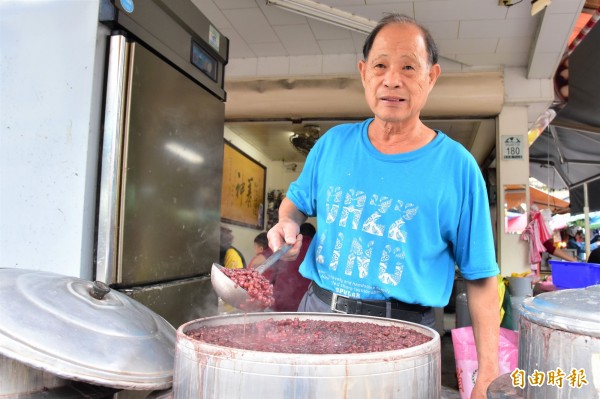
[162,155]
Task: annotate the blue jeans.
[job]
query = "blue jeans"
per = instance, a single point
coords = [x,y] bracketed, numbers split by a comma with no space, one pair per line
[311,303]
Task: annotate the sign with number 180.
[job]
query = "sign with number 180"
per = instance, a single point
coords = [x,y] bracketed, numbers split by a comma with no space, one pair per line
[512,147]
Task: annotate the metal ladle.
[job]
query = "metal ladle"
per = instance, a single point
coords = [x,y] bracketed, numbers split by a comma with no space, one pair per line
[232,293]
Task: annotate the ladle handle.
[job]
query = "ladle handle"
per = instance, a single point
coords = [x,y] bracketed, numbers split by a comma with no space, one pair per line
[273,258]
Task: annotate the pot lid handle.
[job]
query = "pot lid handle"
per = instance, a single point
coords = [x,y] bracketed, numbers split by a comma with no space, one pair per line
[99,289]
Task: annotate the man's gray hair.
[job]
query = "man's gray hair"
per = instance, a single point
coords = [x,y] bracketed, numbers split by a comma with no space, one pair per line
[395,18]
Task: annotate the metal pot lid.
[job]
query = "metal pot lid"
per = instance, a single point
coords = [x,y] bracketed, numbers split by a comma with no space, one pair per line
[572,310]
[54,322]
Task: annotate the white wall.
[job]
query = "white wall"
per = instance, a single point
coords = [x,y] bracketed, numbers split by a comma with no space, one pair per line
[513,252]
[48,151]
[278,178]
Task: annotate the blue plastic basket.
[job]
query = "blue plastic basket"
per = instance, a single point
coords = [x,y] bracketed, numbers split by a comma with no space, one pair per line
[574,274]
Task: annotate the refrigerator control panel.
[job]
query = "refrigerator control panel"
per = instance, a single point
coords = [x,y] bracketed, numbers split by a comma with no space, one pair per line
[204,61]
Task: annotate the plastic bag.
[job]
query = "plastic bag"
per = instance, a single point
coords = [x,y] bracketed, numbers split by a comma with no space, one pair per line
[501,295]
[465,356]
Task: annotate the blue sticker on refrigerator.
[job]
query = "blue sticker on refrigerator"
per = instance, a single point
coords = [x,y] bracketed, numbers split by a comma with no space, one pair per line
[127,5]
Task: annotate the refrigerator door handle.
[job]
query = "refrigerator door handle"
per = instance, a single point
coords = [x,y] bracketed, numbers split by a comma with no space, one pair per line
[111,161]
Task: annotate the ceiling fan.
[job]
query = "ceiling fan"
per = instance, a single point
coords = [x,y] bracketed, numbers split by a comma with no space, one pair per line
[306,138]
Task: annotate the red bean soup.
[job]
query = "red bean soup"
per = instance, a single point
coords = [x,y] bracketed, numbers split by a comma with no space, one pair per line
[292,335]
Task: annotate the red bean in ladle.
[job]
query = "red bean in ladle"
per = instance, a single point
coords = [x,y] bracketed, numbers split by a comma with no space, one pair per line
[257,286]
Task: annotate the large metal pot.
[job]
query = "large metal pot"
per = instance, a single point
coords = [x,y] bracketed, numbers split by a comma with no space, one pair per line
[560,332]
[205,370]
[56,329]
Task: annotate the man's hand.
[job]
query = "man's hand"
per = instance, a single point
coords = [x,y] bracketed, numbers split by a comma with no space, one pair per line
[480,389]
[287,230]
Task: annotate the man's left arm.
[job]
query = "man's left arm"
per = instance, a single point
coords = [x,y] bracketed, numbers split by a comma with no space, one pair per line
[484,308]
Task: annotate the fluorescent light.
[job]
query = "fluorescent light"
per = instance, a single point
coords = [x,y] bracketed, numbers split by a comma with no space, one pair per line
[184,153]
[327,14]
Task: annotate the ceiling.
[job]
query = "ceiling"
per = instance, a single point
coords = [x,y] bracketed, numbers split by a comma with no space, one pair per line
[287,70]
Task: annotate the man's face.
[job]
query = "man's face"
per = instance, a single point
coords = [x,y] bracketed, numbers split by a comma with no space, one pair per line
[397,77]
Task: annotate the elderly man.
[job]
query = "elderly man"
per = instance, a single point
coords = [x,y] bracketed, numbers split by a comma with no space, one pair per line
[398,204]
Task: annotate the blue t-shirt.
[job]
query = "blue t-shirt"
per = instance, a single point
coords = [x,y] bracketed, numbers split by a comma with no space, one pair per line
[393,226]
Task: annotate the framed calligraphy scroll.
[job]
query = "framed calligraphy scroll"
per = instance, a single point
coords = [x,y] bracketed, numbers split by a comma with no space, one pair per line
[243,191]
